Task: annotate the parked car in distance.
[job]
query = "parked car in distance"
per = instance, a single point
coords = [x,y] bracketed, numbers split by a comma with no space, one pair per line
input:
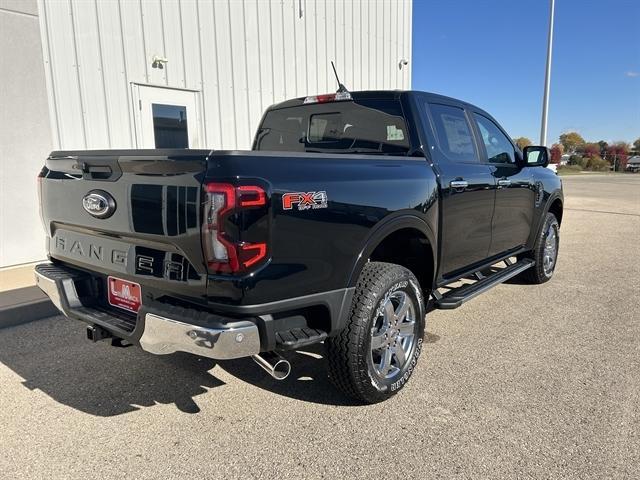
[633,164]
[350,212]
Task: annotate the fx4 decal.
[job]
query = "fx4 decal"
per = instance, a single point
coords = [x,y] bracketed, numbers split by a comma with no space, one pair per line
[304,200]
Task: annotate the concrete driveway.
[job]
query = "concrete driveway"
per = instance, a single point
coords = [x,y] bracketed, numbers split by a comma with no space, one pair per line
[522,382]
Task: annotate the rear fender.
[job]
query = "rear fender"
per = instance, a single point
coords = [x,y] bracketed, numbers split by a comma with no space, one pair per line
[382,231]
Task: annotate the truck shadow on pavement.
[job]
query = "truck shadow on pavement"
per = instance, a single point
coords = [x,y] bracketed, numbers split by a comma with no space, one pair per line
[308,380]
[52,356]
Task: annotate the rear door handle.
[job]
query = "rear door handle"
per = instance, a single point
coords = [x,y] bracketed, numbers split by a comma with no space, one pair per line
[504,182]
[458,184]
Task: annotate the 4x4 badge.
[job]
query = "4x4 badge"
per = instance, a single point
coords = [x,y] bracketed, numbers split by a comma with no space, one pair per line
[304,200]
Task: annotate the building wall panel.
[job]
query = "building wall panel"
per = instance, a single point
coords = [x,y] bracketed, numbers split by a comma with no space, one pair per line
[153,31]
[238,62]
[210,95]
[114,73]
[241,55]
[25,134]
[253,64]
[63,73]
[173,42]
[91,83]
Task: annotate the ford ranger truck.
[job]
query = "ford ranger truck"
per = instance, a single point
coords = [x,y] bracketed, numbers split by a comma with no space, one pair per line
[349,214]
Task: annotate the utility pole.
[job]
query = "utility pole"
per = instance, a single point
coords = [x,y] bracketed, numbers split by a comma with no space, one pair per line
[547,78]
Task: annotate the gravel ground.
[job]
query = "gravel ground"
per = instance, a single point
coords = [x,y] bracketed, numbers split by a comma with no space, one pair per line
[522,382]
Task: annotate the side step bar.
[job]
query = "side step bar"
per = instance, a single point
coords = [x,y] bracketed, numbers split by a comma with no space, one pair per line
[457,296]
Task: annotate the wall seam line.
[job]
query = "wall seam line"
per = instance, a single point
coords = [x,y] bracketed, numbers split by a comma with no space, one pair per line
[54,119]
[202,92]
[104,85]
[78,82]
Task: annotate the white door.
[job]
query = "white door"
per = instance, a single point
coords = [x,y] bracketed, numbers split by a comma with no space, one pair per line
[167,117]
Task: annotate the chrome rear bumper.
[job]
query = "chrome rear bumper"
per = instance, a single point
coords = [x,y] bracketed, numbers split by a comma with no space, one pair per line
[49,287]
[159,330]
[164,335]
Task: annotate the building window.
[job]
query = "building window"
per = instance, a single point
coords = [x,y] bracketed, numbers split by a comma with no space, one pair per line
[170,126]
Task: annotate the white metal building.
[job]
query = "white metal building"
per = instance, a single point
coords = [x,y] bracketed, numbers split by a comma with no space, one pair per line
[94,74]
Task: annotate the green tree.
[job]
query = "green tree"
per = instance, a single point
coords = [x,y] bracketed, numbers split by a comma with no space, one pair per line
[636,146]
[571,141]
[522,142]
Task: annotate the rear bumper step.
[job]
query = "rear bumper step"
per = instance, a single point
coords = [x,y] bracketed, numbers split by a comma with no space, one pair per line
[457,296]
[158,329]
[299,337]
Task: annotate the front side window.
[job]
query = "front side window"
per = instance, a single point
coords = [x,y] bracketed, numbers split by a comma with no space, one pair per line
[454,133]
[499,148]
[375,126]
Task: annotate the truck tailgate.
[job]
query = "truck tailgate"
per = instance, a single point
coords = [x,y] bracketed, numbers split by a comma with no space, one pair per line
[131,214]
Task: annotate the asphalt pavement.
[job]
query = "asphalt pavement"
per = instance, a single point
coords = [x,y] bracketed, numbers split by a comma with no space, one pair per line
[521,382]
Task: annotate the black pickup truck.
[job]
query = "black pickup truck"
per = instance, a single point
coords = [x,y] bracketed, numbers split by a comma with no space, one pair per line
[349,214]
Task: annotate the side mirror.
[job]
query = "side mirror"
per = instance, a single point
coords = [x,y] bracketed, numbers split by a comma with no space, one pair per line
[536,156]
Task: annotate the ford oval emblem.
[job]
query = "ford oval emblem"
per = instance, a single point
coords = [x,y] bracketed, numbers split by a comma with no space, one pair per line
[99,204]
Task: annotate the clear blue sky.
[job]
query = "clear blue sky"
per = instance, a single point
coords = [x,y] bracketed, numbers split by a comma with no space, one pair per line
[492,53]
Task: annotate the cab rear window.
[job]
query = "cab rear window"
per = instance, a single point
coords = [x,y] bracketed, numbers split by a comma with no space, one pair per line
[374,126]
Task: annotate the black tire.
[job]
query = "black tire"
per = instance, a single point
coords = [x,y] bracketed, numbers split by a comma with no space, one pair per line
[538,273]
[354,366]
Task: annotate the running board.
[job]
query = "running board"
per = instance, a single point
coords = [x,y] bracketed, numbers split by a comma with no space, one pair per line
[457,296]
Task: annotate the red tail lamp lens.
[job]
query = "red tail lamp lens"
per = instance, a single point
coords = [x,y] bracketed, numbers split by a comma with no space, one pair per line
[223,254]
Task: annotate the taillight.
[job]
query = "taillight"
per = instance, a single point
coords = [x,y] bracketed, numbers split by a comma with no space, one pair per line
[328,97]
[224,254]
[251,196]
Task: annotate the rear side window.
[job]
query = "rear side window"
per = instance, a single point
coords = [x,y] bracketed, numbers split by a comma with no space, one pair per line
[374,126]
[454,133]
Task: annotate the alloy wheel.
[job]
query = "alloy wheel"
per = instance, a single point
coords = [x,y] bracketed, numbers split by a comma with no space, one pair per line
[550,253]
[393,334]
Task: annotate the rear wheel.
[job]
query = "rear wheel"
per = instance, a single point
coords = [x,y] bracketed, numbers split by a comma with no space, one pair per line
[374,356]
[545,252]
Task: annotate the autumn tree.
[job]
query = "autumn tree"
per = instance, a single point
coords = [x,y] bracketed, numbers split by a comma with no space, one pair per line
[591,150]
[571,141]
[556,152]
[618,154]
[522,142]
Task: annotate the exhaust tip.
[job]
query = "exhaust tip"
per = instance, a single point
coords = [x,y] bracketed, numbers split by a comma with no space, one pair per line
[281,369]
[272,363]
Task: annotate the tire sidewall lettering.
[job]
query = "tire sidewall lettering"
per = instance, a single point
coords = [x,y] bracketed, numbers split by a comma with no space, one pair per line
[398,384]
